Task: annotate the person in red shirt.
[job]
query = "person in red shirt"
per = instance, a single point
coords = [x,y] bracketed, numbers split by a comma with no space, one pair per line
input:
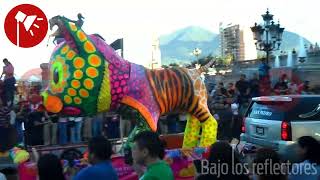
[9,82]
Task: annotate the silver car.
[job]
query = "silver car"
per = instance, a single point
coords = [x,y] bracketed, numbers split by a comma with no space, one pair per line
[278,121]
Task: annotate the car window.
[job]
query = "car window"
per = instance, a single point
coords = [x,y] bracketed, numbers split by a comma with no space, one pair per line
[266,111]
[280,111]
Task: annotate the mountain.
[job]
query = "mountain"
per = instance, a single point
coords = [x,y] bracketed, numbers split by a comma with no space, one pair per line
[177,47]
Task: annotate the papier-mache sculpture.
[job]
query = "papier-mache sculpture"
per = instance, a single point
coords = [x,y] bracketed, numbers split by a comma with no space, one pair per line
[87,77]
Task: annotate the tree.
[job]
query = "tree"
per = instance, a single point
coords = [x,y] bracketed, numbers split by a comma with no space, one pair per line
[173,65]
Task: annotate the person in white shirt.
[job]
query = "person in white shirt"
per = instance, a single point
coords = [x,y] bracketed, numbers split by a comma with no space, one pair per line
[62,126]
[76,129]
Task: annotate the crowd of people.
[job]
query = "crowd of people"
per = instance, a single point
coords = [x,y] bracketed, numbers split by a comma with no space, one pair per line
[148,152]
[228,104]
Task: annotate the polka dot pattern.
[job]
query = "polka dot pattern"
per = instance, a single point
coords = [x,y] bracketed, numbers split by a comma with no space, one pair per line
[67,99]
[72,26]
[83,93]
[94,60]
[78,62]
[75,84]
[72,92]
[92,72]
[209,132]
[65,49]
[77,100]
[70,55]
[191,134]
[78,74]
[89,47]
[88,83]
[82,37]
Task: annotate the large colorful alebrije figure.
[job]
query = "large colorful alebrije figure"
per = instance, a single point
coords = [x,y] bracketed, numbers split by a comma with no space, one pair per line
[87,77]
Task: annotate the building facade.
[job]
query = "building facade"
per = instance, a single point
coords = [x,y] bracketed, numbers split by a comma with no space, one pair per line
[236,41]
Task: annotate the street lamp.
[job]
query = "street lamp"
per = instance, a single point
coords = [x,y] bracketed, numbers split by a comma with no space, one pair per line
[196,52]
[268,36]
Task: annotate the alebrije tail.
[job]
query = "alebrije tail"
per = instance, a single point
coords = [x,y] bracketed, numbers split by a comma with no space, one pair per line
[207,66]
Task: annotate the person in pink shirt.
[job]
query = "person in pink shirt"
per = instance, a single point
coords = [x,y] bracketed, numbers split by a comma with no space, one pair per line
[9,82]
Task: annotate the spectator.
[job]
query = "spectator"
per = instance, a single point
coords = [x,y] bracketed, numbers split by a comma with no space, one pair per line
[172,120]
[113,126]
[254,85]
[50,168]
[76,129]
[222,153]
[304,88]
[62,127]
[4,115]
[308,150]
[34,126]
[50,130]
[243,91]
[127,117]
[97,124]
[100,151]
[265,165]
[87,128]
[148,150]
[9,82]
[163,127]
[222,89]
[230,91]
[21,115]
[220,106]
[182,121]
[281,87]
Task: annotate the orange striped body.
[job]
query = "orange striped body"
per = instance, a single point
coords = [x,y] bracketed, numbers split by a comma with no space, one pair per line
[179,90]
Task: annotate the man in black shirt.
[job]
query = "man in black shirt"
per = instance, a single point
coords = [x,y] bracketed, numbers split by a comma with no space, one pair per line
[243,89]
[254,85]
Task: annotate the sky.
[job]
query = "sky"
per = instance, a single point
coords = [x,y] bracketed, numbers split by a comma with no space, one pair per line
[140,21]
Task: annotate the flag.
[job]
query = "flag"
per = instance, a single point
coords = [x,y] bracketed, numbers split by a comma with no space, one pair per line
[117,44]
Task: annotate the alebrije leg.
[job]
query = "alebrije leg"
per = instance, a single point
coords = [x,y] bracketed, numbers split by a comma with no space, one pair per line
[209,132]
[191,132]
[140,126]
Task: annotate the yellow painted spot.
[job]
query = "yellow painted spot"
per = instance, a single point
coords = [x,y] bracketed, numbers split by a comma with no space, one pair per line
[75,84]
[89,47]
[77,100]
[83,93]
[73,27]
[70,55]
[82,37]
[67,99]
[88,83]
[92,72]
[65,68]
[58,58]
[72,92]
[78,62]
[78,74]
[65,75]
[94,60]
[65,49]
